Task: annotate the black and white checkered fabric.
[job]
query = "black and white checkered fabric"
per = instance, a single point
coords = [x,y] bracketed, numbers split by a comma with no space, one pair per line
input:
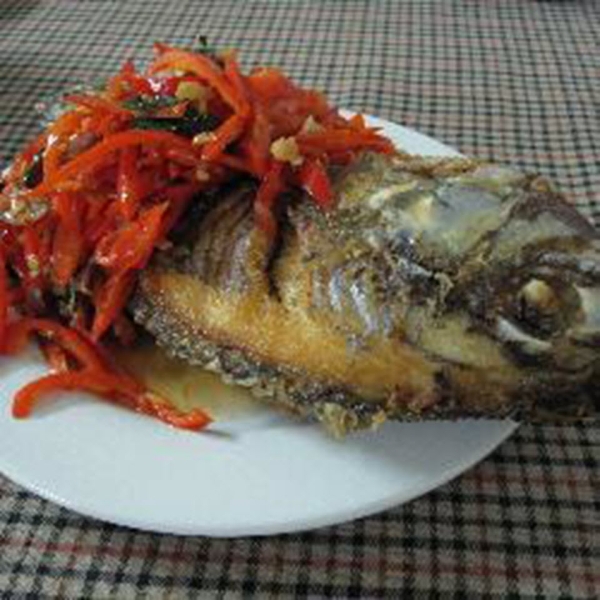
[514,81]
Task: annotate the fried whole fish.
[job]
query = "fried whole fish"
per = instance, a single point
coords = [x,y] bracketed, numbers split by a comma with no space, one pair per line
[437,288]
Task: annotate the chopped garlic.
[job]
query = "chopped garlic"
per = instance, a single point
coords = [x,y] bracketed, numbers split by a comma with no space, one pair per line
[194,92]
[203,138]
[202,174]
[286,150]
[33,265]
[311,125]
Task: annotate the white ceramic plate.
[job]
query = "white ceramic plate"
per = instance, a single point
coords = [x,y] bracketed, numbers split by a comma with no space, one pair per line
[257,473]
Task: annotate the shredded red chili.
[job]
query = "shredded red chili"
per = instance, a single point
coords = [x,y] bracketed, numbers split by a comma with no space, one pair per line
[85,204]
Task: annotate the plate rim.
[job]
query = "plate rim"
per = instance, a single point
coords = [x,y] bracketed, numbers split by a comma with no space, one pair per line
[277,528]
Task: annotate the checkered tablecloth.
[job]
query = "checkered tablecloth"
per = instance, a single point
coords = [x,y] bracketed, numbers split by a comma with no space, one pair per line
[509,80]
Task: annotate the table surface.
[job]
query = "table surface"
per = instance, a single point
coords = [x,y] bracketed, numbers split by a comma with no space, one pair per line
[515,81]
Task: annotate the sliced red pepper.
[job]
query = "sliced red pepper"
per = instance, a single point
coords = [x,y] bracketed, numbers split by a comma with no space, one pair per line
[104,124]
[270,188]
[75,343]
[26,253]
[110,301]
[226,134]
[179,198]
[130,188]
[102,152]
[28,395]
[205,69]
[95,377]
[45,231]
[131,246]
[314,179]
[100,224]
[111,386]
[59,134]
[187,157]
[68,243]
[96,205]
[151,404]
[91,380]
[341,140]
[257,144]
[234,76]
[357,122]
[128,81]
[269,82]
[33,274]
[286,105]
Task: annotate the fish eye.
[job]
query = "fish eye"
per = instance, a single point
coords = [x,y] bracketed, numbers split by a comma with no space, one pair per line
[539,307]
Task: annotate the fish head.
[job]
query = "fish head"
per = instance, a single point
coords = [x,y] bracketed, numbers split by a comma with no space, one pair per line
[534,282]
[502,273]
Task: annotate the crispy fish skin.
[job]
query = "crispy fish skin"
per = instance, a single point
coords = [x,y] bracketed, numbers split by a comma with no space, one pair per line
[437,288]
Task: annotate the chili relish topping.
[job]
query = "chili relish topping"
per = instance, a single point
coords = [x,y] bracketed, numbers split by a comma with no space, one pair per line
[84,205]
